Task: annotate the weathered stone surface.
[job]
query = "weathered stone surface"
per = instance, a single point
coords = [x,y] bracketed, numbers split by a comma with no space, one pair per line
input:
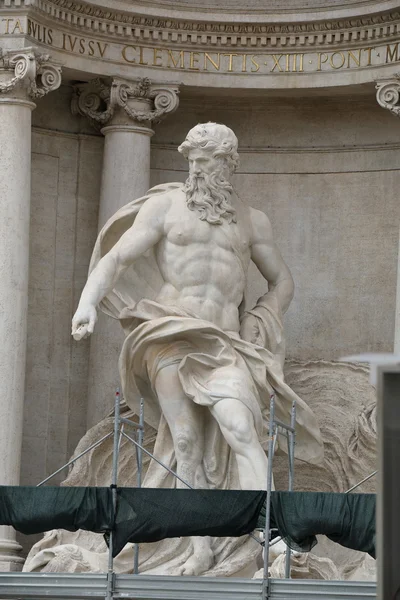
[341,396]
[24,75]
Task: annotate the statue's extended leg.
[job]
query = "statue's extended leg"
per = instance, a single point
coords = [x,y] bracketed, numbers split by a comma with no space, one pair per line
[186,422]
[237,426]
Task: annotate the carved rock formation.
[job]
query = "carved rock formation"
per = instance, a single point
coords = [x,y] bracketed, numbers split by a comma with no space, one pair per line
[344,402]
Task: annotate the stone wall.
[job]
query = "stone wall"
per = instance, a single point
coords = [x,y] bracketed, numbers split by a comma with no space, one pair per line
[326,172]
[65,190]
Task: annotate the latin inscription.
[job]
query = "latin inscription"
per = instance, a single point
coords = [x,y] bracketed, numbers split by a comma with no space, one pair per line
[11,26]
[237,62]
[199,61]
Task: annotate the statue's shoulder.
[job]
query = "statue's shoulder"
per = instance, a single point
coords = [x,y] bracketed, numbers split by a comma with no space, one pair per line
[256,213]
[165,189]
[258,216]
[161,196]
[260,225]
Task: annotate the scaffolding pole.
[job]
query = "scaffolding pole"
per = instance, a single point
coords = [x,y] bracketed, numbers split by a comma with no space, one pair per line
[118,433]
[291,441]
[289,430]
[271,444]
[139,461]
[114,479]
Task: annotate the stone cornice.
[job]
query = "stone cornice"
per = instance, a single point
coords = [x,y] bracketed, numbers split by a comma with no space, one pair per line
[334,149]
[94,41]
[253,10]
[290,150]
[89,19]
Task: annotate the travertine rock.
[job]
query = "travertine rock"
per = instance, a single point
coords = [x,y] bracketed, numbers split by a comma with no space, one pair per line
[344,401]
[341,396]
[305,566]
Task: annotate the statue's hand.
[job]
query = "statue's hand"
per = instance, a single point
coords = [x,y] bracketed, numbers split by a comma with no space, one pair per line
[83,322]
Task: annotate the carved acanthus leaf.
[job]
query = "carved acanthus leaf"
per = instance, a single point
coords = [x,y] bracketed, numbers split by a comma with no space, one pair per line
[29,70]
[388,94]
[141,101]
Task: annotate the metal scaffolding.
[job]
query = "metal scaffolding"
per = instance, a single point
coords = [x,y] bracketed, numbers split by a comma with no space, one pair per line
[93,586]
[112,586]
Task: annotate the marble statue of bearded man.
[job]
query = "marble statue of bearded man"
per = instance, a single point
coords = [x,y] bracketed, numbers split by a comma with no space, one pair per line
[172,267]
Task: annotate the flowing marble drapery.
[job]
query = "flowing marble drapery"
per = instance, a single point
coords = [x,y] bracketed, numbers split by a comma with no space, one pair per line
[212,364]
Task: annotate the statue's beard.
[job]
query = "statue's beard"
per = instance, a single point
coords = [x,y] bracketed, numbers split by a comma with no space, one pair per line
[209,196]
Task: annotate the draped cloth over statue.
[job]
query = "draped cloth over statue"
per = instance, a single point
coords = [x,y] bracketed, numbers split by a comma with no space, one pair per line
[213,364]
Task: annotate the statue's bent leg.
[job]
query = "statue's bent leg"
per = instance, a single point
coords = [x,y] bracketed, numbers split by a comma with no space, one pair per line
[186,422]
[237,426]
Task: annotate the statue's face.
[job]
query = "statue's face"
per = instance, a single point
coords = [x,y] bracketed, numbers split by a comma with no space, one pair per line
[202,162]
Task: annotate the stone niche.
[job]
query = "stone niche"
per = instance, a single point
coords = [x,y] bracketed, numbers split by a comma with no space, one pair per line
[295,81]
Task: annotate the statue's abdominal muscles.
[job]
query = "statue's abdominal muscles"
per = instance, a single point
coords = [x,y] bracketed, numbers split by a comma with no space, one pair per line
[202,272]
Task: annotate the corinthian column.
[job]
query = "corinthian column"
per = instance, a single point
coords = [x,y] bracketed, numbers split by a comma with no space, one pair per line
[388,96]
[125,112]
[24,76]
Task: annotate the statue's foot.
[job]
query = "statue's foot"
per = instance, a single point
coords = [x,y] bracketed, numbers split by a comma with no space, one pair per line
[198,563]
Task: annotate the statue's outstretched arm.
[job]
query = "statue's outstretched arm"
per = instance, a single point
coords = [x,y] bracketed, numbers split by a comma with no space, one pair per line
[265,254]
[146,231]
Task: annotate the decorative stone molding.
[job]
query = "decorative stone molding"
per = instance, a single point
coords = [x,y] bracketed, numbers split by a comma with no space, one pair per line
[388,94]
[90,18]
[27,69]
[210,50]
[141,101]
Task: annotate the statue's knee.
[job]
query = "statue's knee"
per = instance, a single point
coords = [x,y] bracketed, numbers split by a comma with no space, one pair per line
[185,444]
[242,428]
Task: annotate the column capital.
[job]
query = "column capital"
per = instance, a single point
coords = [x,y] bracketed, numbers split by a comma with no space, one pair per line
[120,101]
[26,73]
[388,94]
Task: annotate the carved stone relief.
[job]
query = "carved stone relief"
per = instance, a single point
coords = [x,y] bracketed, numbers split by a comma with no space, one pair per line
[344,401]
[141,101]
[388,94]
[29,70]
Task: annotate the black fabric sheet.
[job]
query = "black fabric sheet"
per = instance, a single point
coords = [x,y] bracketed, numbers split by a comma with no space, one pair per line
[40,509]
[149,515]
[348,519]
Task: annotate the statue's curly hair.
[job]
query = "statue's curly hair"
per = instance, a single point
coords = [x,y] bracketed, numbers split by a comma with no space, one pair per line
[217,138]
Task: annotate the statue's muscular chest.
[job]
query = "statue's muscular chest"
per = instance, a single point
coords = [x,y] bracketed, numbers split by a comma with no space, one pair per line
[183,227]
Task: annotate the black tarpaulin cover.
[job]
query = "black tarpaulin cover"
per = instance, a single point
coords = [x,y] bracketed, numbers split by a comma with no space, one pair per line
[40,509]
[348,519]
[149,515]
[146,515]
